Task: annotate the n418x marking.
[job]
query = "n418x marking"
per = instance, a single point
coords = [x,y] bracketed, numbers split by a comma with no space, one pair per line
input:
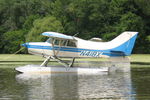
[91,53]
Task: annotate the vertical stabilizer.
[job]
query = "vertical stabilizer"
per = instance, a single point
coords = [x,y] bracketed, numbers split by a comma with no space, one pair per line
[126,43]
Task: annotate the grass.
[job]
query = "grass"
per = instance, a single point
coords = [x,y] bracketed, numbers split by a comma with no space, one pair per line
[143,58]
[27,57]
[20,57]
[140,61]
[23,59]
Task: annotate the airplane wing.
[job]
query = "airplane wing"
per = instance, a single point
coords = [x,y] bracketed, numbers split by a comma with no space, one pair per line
[58,35]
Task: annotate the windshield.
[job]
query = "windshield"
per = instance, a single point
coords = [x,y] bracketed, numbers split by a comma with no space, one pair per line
[49,40]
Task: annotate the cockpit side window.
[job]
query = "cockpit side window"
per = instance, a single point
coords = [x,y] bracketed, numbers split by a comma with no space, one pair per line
[67,43]
[57,42]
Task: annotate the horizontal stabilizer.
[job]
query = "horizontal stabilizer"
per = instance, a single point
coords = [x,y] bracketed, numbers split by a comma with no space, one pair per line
[117,53]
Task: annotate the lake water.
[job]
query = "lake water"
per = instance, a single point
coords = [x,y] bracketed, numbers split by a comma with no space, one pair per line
[134,85]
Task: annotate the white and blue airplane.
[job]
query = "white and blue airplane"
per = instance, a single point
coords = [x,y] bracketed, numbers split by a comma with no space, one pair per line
[60,45]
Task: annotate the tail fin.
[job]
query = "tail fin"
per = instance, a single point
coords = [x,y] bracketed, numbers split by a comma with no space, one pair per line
[124,43]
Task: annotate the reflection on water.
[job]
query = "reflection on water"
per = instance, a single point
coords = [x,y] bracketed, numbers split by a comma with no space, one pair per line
[115,85]
[77,87]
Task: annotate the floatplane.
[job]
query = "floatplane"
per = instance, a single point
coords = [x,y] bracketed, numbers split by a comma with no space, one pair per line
[60,45]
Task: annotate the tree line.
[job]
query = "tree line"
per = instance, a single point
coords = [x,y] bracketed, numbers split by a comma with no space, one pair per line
[24,20]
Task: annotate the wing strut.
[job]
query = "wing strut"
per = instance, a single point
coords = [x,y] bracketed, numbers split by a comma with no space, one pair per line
[53,47]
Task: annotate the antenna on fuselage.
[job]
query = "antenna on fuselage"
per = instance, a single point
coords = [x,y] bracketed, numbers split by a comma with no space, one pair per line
[76,34]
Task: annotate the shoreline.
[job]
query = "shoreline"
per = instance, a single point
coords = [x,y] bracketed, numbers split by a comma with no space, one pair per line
[23,59]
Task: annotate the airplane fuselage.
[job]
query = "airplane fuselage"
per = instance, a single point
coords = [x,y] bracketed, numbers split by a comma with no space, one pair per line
[68,46]
[46,49]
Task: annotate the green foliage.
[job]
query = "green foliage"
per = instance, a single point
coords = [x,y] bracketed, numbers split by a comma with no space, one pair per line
[143,6]
[41,25]
[28,24]
[89,18]
[12,41]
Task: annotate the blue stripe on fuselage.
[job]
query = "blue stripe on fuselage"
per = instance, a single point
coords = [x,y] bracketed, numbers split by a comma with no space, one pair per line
[68,49]
[61,48]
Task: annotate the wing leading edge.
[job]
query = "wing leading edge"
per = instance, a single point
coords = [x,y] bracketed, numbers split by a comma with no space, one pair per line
[58,35]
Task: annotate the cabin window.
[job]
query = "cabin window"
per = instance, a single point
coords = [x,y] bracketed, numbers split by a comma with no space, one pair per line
[66,43]
[56,42]
[62,42]
[71,44]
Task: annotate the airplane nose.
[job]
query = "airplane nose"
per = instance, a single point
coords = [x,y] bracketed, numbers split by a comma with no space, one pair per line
[24,45]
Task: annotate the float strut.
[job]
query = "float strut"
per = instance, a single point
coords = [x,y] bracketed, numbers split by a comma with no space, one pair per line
[45,62]
[71,65]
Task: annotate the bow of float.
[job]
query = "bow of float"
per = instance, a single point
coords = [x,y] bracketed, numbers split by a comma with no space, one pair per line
[77,70]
